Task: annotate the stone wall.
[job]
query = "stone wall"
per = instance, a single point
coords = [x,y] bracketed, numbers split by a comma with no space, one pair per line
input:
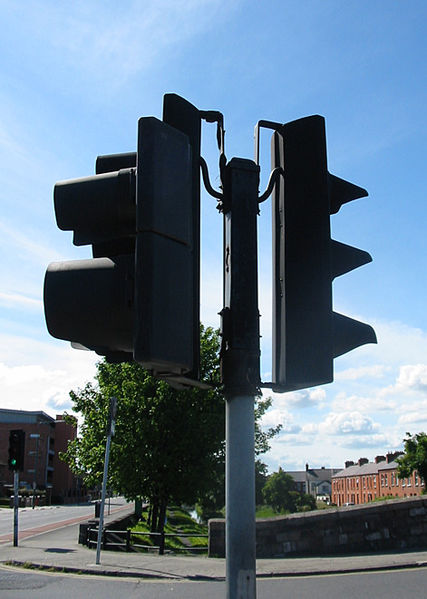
[386,525]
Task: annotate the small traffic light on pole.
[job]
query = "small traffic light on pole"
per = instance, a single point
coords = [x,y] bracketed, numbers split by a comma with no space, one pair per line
[307,334]
[135,298]
[16,450]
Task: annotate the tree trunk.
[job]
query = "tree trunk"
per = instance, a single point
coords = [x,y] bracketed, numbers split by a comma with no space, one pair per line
[162,516]
[154,515]
[161,525]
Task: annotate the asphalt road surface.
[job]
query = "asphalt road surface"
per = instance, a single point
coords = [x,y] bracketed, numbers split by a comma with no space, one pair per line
[396,584]
[33,521]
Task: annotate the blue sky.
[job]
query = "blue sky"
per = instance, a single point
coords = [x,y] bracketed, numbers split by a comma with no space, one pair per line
[77,76]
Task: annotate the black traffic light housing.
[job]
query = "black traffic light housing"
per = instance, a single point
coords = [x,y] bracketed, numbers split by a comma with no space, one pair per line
[138,297]
[307,334]
[16,450]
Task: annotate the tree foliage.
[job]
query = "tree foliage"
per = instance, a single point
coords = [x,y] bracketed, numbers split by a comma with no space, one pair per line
[211,504]
[279,492]
[415,456]
[169,443]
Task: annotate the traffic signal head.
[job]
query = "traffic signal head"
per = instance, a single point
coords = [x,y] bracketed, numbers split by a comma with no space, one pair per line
[98,208]
[16,450]
[135,298]
[91,302]
[307,334]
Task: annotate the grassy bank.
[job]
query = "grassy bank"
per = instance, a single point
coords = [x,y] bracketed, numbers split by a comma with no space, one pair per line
[179,530]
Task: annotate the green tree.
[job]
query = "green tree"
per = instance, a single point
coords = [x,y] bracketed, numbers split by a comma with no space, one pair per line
[211,505]
[260,480]
[415,456]
[305,502]
[279,492]
[167,441]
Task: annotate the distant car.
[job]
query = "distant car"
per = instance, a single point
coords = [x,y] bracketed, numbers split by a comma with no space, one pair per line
[348,503]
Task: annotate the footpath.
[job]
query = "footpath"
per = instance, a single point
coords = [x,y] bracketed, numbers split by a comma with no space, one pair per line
[58,550]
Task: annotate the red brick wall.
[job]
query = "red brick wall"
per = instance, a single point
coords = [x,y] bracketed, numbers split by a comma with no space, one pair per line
[363,488]
[64,482]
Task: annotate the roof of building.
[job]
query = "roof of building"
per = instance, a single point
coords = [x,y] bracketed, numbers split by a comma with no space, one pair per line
[313,474]
[25,417]
[369,468]
[356,470]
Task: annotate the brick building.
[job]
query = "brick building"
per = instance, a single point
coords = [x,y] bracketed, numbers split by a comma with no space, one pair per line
[45,437]
[364,481]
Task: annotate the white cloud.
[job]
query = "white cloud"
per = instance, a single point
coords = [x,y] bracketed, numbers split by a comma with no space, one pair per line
[30,247]
[398,344]
[299,440]
[413,377]
[344,403]
[411,382]
[35,387]
[307,398]
[12,300]
[375,371]
[414,414]
[344,423]
[275,416]
[38,375]
[379,441]
[117,41]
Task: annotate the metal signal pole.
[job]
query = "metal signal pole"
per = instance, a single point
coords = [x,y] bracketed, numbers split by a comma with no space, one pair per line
[15,507]
[110,433]
[240,363]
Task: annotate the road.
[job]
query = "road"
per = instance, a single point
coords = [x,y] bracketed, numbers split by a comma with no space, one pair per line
[35,521]
[20,584]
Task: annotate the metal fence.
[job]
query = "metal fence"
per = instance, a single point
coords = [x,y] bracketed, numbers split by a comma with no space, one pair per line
[124,540]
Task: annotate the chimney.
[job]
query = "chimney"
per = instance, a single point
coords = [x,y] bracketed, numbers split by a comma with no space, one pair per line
[391,456]
[362,461]
[379,458]
[349,463]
